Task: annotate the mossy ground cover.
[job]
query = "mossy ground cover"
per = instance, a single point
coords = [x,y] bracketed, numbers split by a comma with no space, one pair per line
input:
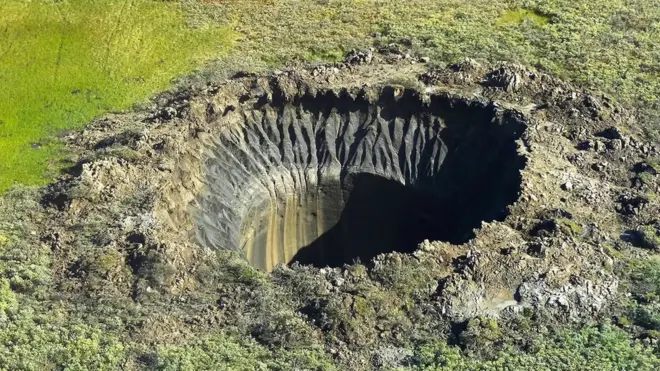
[609,46]
[64,62]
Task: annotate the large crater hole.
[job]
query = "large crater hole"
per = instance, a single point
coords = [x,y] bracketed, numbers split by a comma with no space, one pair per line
[330,180]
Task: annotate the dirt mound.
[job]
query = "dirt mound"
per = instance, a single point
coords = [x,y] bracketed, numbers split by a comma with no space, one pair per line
[463,191]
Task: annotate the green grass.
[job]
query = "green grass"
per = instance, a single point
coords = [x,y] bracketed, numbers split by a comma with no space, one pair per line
[64,62]
[231,353]
[591,348]
[610,46]
[80,58]
[520,15]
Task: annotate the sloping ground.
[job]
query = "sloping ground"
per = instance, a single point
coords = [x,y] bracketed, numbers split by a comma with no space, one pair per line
[120,252]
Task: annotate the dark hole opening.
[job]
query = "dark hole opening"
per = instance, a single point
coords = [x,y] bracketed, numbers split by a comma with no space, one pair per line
[328,180]
[380,215]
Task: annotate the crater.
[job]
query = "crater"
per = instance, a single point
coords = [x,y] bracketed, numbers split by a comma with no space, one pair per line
[329,179]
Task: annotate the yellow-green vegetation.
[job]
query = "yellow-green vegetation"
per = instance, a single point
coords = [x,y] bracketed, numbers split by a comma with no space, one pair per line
[654,163]
[224,352]
[609,46]
[645,279]
[606,348]
[643,284]
[650,236]
[41,329]
[65,345]
[569,227]
[64,62]
[34,336]
[79,58]
[521,15]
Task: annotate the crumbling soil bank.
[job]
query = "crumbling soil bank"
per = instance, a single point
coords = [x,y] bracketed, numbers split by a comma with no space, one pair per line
[328,179]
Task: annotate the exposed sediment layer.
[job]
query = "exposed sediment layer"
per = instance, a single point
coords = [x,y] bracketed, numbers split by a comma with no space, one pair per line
[328,179]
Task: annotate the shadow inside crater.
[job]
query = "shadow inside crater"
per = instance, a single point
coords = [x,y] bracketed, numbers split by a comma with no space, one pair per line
[380,215]
[312,180]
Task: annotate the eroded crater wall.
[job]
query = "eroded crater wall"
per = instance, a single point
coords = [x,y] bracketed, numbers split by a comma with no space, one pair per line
[326,180]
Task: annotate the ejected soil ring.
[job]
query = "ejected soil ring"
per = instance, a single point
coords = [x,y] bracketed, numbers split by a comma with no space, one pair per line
[329,179]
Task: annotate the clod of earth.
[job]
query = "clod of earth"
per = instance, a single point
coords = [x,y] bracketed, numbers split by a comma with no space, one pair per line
[329,179]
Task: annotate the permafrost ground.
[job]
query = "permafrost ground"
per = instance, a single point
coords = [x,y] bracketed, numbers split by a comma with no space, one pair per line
[522,184]
[329,180]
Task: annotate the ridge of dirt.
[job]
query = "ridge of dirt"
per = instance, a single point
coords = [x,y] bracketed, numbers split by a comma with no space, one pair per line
[587,181]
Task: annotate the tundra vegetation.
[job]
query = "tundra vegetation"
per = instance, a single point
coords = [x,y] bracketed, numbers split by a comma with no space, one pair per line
[64,62]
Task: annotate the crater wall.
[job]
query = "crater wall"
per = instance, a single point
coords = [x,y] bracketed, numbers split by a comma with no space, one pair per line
[330,179]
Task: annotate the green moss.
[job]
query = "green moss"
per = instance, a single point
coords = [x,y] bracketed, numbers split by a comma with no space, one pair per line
[362,308]
[28,345]
[569,227]
[644,279]
[612,251]
[601,347]
[650,237]
[24,260]
[106,262]
[231,353]
[284,329]
[647,178]
[324,55]
[480,333]
[654,163]
[624,321]
[64,62]
[520,15]
[7,298]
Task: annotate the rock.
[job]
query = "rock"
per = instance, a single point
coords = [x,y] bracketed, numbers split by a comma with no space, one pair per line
[568,186]
[357,57]
[426,245]
[615,144]
[537,249]
[629,204]
[598,146]
[467,65]
[599,166]
[424,59]
[338,281]
[505,77]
